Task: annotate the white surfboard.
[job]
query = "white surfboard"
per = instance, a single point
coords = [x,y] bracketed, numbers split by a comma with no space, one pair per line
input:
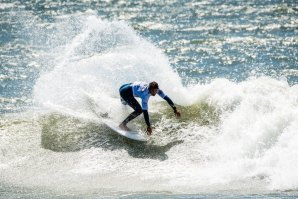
[129,134]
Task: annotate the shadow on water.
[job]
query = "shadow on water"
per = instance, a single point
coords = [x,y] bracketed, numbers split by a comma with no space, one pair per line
[62,133]
[143,150]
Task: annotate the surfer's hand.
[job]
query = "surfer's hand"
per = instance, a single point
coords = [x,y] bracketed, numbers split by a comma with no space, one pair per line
[177,113]
[149,130]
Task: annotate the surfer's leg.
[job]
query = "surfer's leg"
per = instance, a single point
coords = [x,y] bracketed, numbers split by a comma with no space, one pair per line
[138,111]
[125,90]
[127,95]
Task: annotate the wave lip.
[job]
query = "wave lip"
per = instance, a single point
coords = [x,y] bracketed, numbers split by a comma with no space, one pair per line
[95,63]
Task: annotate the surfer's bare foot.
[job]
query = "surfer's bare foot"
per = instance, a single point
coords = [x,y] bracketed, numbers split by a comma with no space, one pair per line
[123,127]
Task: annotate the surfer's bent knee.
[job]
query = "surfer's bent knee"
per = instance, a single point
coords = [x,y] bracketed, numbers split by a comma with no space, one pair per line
[138,111]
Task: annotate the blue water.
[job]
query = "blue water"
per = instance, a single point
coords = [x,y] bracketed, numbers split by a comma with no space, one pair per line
[231,66]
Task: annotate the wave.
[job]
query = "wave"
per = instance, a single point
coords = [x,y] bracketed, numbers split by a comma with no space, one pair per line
[117,56]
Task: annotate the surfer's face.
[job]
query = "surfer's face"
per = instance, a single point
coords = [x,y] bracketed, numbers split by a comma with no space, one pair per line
[153,91]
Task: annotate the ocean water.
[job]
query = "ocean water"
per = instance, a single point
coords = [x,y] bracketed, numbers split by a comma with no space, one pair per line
[230,66]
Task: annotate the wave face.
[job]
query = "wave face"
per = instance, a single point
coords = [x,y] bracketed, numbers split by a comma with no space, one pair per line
[234,136]
[82,76]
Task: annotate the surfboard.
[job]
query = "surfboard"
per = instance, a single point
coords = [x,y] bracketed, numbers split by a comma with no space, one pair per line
[134,135]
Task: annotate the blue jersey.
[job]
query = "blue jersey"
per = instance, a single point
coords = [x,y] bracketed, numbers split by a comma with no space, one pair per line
[141,90]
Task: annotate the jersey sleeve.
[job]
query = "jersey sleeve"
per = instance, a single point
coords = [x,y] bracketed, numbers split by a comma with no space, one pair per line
[161,93]
[144,105]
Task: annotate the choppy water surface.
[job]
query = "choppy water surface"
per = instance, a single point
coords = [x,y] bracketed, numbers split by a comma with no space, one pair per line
[231,67]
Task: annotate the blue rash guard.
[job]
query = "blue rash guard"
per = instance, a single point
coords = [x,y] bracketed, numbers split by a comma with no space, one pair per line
[141,90]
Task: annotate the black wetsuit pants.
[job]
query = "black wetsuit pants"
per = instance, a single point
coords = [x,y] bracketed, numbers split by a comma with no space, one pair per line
[127,95]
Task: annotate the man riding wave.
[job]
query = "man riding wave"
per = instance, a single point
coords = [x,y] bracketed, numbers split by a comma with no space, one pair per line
[129,91]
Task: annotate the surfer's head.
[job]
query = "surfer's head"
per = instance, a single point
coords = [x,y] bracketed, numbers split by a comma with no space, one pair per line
[153,88]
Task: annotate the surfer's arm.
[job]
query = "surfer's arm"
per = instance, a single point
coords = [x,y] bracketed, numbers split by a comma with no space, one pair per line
[146,117]
[145,99]
[165,97]
[145,110]
[170,102]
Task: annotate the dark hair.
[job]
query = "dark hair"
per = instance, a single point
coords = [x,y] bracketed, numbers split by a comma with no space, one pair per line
[153,85]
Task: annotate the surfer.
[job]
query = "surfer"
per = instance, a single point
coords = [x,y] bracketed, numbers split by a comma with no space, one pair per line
[128,92]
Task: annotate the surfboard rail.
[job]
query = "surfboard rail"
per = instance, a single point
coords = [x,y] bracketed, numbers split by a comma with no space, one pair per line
[134,135]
